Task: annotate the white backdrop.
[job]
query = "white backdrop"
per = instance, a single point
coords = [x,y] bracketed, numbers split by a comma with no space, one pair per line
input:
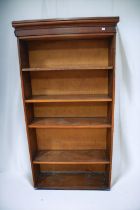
[16,191]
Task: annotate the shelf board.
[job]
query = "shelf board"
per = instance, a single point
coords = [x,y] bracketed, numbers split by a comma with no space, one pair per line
[70,122]
[69,98]
[70,67]
[72,181]
[71,157]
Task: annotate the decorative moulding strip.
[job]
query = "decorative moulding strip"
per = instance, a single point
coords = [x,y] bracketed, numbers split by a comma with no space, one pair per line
[64,26]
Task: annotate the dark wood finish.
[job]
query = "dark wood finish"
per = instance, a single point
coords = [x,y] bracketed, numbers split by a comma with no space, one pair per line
[94,168]
[67,36]
[102,21]
[67,69]
[71,157]
[65,26]
[72,181]
[28,110]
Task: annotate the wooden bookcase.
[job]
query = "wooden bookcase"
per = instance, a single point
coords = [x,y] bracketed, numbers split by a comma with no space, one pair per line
[67,69]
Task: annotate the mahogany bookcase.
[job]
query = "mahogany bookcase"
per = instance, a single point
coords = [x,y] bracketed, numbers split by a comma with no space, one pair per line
[67,69]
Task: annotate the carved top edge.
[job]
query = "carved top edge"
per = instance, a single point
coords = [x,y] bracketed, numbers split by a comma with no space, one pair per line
[94,21]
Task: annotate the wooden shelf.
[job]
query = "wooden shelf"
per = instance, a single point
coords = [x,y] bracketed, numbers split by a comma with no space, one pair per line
[71,157]
[70,67]
[69,98]
[72,181]
[70,122]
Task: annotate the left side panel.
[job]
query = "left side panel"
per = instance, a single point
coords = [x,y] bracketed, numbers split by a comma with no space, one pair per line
[28,108]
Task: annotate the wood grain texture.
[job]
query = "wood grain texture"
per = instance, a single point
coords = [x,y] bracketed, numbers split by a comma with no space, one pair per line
[70,109]
[70,83]
[68,53]
[70,122]
[71,157]
[71,139]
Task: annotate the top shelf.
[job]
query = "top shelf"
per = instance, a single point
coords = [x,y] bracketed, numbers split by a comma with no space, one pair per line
[70,67]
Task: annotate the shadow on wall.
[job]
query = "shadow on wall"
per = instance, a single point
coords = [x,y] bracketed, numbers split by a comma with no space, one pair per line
[124,90]
[17,138]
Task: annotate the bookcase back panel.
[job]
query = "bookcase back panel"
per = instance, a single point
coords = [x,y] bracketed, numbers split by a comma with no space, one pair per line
[71,139]
[91,109]
[68,52]
[76,168]
[69,82]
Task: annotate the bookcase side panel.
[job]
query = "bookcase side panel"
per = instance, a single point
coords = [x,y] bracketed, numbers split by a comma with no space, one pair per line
[28,109]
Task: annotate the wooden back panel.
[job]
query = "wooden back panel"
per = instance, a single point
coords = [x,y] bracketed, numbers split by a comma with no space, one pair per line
[72,168]
[68,52]
[71,139]
[91,109]
[69,82]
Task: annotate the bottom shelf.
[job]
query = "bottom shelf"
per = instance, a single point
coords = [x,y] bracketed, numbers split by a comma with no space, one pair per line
[72,181]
